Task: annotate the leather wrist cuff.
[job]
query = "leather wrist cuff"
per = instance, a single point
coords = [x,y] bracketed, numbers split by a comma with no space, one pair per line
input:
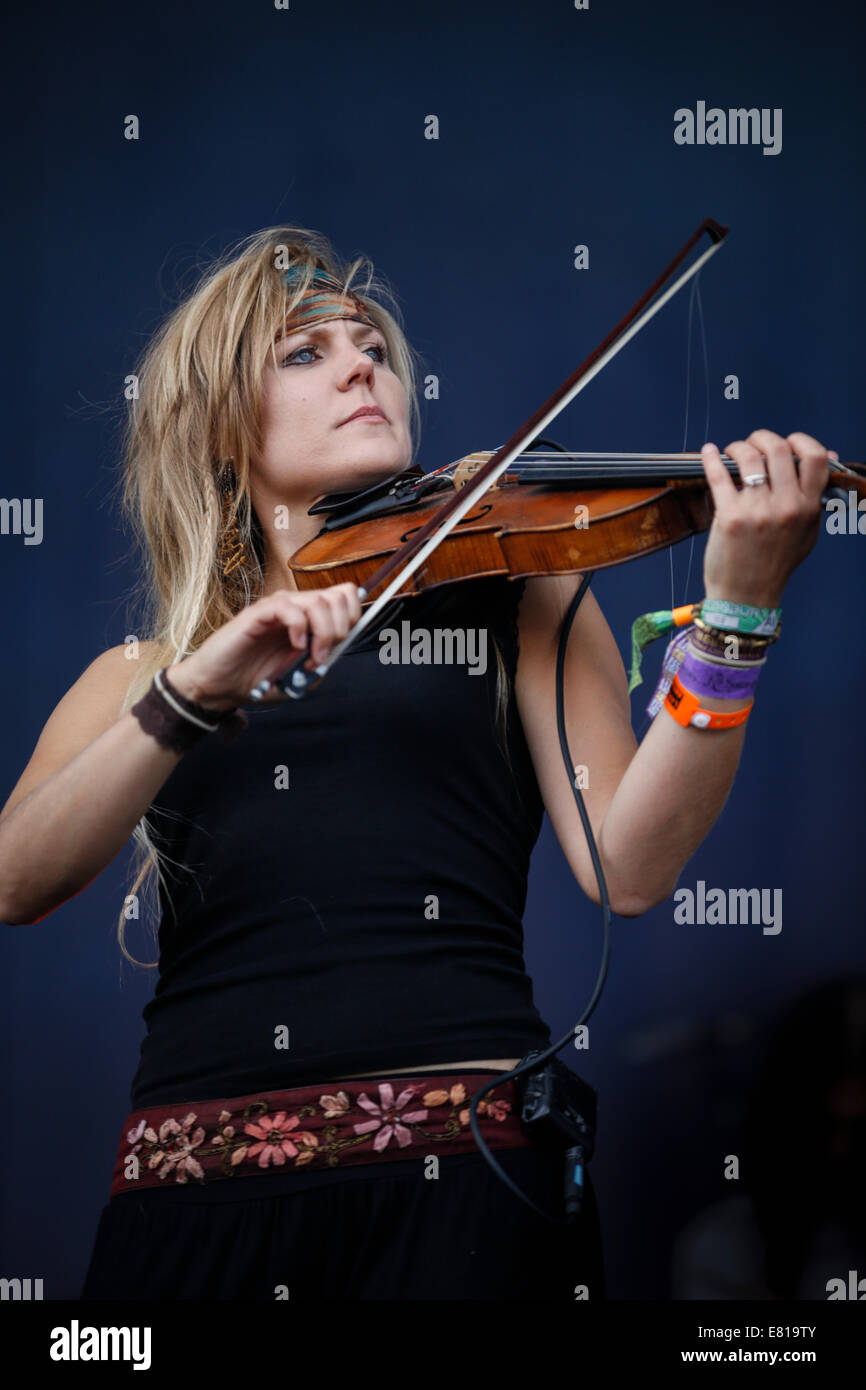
[178,723]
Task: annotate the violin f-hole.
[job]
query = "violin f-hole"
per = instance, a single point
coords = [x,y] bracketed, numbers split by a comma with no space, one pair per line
[487,507]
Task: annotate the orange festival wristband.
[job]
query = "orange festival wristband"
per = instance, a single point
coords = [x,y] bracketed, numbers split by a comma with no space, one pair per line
[685,708]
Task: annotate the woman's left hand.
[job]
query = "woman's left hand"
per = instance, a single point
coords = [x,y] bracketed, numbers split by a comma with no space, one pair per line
[760,534]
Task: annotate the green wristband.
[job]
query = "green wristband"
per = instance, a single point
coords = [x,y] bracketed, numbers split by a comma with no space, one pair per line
[740,617]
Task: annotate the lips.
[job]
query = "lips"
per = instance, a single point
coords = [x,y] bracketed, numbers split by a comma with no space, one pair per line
[366,410]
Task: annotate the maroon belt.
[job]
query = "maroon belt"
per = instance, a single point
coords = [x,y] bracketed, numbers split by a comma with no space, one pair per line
[330,1125]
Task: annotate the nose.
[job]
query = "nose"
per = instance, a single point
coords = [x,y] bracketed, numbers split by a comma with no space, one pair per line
[356,367]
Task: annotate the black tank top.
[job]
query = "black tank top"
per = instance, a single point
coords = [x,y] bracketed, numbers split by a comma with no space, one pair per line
[353,871]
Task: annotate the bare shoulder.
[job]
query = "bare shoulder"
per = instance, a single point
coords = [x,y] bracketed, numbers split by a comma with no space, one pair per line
[543,608]
[545,602]
[96,696]
[103,684]
[90,706]
[594,665]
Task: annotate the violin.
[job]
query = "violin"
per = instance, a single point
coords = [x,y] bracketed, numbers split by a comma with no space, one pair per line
[561,513]
[557,513]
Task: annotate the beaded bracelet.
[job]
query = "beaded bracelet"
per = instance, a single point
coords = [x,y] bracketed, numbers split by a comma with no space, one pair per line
[714,644]
[744,641]
[178,723]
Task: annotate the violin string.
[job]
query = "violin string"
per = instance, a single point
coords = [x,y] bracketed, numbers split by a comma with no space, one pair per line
[688,366]
[600,457]
[686,464]
[603,458]
[689,335]
[702,324]
[608,469]
[696,297]
[640,459]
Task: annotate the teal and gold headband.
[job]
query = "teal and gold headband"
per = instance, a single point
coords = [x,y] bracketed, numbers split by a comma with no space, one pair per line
[330,302]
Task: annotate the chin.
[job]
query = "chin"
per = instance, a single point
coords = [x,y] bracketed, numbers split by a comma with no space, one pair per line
[363,471]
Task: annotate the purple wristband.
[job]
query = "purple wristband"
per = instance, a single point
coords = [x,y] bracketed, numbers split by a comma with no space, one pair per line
[725,682]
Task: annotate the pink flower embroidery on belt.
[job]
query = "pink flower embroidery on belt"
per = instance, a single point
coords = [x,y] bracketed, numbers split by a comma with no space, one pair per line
[207,1143]
[275,1144]
[172,1149]
[386,1111]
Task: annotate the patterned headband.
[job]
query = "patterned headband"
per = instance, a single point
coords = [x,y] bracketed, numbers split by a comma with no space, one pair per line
[329,303]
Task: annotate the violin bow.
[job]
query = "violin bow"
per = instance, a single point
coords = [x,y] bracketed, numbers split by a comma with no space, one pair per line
[297,681]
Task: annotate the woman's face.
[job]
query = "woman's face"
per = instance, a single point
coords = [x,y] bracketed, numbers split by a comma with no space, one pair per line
[324,374]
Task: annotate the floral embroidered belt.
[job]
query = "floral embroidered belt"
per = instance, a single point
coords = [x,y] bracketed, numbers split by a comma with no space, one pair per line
[332,1124]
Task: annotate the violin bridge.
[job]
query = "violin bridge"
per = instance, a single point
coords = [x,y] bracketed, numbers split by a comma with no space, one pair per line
[467,467]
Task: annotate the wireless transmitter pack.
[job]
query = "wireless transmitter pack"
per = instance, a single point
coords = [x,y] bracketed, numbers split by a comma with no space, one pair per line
[559,1109]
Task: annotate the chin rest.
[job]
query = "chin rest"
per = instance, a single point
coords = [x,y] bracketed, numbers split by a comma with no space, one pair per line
[399,490]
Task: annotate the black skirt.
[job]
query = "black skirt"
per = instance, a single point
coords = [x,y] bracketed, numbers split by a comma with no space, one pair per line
[375,1231]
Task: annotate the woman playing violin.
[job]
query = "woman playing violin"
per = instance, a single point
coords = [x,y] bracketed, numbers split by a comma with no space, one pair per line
[342,880]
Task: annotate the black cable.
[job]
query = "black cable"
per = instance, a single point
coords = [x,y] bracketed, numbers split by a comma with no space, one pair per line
[540,1060]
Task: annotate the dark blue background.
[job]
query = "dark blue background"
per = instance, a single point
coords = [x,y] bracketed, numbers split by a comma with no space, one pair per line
[556,128]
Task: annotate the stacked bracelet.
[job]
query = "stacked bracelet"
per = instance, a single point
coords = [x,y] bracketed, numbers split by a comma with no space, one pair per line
[719,679]
[727,646]
[699,661]
[178,723]
[720,622]
[745,643]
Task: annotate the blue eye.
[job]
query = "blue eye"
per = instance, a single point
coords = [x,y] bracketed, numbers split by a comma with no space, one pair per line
[379,348]
[293,355]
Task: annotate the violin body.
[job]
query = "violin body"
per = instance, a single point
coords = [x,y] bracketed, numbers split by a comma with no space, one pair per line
[519,529]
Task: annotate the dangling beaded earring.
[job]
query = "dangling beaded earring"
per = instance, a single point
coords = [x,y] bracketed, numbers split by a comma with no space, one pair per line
[231,546]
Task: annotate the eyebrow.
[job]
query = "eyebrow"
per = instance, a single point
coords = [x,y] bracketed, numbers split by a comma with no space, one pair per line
[318,332]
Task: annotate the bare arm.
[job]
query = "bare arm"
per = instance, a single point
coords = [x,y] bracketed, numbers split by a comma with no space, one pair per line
[650,805]
[90,779]
[93,773]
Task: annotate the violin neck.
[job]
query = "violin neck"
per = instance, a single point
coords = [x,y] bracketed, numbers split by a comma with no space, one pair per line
[633,470]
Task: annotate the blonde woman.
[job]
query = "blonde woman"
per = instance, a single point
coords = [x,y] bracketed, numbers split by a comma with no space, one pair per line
[342,879]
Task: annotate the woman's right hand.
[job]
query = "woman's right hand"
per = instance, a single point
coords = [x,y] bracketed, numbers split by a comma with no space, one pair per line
[262,641]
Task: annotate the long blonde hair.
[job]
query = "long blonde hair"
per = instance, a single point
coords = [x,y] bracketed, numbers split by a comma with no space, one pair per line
[196,402]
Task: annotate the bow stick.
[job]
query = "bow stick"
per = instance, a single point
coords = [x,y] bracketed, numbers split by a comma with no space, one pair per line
[297,681]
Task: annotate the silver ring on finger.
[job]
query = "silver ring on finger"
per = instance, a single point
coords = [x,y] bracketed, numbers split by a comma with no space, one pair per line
[755,479]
